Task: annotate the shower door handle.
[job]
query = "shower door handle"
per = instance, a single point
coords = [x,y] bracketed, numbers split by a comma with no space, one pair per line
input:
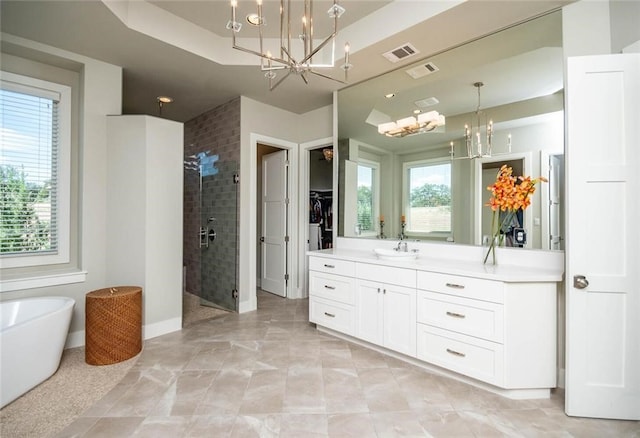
[204,241]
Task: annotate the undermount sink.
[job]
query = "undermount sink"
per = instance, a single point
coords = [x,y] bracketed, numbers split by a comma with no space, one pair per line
[392,254]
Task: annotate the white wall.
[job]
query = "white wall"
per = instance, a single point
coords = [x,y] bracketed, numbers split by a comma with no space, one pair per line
[100,95]
[144,214]
[275,127]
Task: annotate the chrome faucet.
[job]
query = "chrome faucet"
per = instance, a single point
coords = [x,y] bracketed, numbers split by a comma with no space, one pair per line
[402,246]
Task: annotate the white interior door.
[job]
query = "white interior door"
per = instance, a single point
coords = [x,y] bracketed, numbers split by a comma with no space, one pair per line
[274,223]
[603,242]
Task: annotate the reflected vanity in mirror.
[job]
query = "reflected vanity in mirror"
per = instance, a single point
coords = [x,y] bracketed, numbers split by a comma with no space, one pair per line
[425,179]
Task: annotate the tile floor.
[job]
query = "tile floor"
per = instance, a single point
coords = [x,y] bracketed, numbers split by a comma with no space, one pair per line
[271,374]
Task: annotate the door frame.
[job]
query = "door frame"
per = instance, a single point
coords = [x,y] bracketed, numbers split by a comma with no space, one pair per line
[303,217]
[294,251]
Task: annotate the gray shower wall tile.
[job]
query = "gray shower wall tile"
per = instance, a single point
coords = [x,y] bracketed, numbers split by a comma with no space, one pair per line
[217,131]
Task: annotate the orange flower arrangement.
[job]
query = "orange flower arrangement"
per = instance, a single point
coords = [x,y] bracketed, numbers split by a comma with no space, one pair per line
[510,194]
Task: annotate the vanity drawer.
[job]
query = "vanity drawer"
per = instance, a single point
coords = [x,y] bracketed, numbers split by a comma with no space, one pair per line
[480,319]
[332,266]
[475,288]
[482,360]
[386,274]
[332,287]
[336,316]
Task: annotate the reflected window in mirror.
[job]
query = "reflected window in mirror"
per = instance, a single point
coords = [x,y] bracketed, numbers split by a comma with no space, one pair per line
[426,200]
[368,197]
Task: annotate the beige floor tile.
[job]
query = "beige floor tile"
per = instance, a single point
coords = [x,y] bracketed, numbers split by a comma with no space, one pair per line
[219,426]
[155,427]
[304,392]
[381,390]
[270,373]
[265,392]
[225,394]
[304,425]
[256,426]
[184,395]
[351,425]
[114,427]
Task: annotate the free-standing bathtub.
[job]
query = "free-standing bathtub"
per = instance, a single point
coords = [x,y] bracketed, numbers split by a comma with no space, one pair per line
[33,332]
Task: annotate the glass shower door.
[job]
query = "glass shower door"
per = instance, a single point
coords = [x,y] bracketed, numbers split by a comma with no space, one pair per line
[219,233]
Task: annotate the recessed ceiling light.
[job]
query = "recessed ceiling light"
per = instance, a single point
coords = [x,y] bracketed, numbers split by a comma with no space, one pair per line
[417,111]
[254,20]
[390,95]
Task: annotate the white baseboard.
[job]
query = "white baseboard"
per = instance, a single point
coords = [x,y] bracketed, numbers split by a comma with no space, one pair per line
[247,306]
[77,339]
[161,328]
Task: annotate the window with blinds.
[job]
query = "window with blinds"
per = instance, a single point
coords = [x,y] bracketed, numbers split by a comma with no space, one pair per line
[29,139]
[33,188]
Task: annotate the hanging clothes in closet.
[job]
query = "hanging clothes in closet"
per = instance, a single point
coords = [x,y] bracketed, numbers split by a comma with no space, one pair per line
[321,212]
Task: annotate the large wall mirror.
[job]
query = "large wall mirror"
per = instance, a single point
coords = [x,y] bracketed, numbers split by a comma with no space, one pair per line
[425,180]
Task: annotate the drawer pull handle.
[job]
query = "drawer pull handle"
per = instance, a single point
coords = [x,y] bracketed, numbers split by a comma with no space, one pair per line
[326,286]
[330,315]
[455,286]
[455,315]
[329,266]
[455,353]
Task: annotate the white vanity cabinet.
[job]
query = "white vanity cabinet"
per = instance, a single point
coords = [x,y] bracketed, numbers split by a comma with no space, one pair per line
[500,333]
[332,294]
[386,307]
[493,327]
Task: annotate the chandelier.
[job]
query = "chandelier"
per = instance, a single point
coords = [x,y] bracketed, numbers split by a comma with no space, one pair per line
[295,54]
[424,122]
[474,135]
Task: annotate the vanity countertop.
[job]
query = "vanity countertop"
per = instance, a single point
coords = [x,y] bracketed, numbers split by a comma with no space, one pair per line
[508,273]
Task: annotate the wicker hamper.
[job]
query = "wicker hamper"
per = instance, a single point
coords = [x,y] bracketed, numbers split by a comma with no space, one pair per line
[113,324]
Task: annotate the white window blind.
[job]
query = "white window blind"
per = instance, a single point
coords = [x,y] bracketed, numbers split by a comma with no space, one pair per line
[29,146]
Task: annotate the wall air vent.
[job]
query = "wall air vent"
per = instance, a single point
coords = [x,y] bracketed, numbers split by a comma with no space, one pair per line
[422,70]
[399,53]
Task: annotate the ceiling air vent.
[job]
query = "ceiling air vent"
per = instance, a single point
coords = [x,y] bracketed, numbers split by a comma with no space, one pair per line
[422,70]
[425,103]
[399,53]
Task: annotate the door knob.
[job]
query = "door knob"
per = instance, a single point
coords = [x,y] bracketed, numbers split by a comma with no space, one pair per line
[580,281]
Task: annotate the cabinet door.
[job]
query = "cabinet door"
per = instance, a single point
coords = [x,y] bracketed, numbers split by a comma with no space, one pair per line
[369,311]
[399,319]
